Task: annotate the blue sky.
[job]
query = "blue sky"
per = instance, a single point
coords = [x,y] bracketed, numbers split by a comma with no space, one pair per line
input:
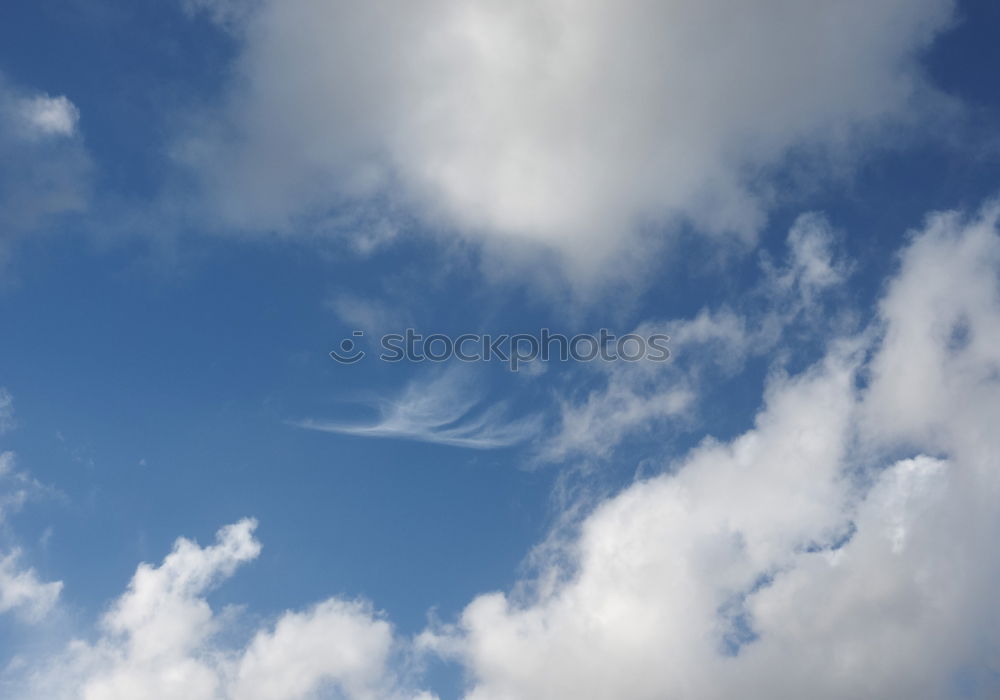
[199,200]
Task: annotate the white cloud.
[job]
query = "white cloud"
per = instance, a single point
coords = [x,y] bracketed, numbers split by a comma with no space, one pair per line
[445,409]
[581,127]
[335,640]
[158,641]
[21,590]
[800,559]
[15,486]
[937,377]
[49,116]
[44,167]
[595,425]
[642,614]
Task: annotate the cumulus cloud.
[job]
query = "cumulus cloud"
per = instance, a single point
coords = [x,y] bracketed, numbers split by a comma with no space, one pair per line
[158,641]
[939,360]
[804,558]
[335,640]
[444,408]
[579,127]
[44,167]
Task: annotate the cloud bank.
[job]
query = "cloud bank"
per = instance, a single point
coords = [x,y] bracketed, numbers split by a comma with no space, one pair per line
[840,548]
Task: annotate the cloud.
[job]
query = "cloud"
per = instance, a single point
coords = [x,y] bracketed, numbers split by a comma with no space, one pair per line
[598,423]
[804,558]
[16,487]
[6,411]
[369,315]
[157,641]
[228,13]
[811,267]
[642,397]
[936,378]
[44,116]
[445,409]
[581,128]
[44,168]
[21,590]
[334,640]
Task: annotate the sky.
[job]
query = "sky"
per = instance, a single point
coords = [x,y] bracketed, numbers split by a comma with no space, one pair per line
[201,199]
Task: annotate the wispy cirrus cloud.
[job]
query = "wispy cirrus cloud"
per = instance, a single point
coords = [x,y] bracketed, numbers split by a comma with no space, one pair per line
[446,409]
